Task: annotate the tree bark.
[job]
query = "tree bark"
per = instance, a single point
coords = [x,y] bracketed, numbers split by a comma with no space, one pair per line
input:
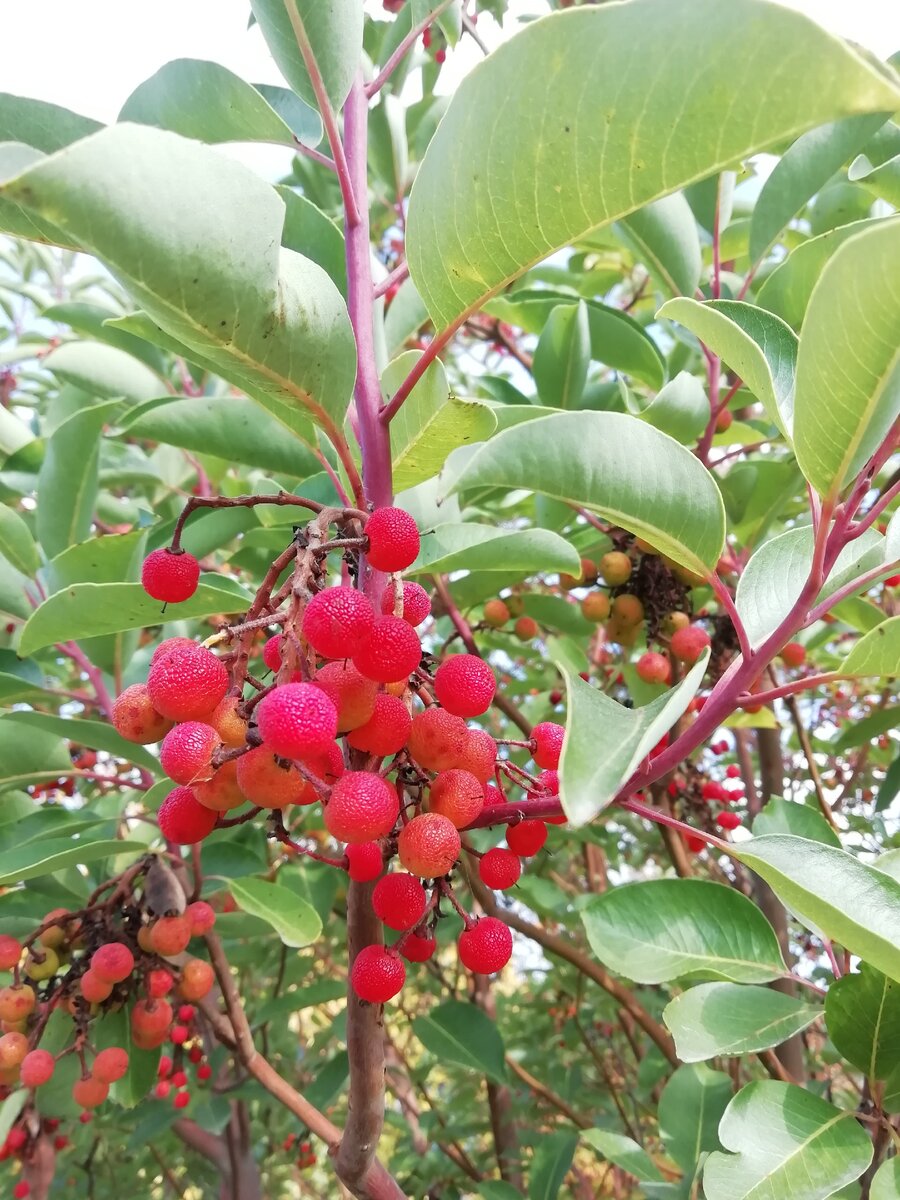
[503,1126]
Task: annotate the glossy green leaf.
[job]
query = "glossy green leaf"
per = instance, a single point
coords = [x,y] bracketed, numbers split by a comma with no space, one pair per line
[617,466]
[665,238]
[562,356]
[886,1184]
[89,609]
[487,202]
[498,1189]
[553,1154]
[462,1034]
[785,1142]
[605,741]
[16,542]
[313,234]
[733,1018]
[195,238]
[832,892]
[878,653]
[43,857]
[486,548]
[862,1012]
[90,319]
[67,483]
[760,347]
[680,408]
[333,33]
[104,371]
[623,1152]
[96,735]
[206,101]
[792,817]
[690,1109]
[296,922]
[47,127]
[431,423]
[689,929]
[405,317]
[848,365]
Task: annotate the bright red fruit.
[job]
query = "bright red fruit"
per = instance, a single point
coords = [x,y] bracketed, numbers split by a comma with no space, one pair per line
[37,1067]
[416,603]
[399,900]
[526,838]
[296,720]
[456,795]
[713,791]
[393,539]
[390,653]
[10,952]
[94,989]
[386,731]
[21,1190]
[548,740]
[689,643]
[733,771]
[135,718]
[337,620]
[112,962]
[793,654]
[362,807]
[499,869]
[170,935]
[89,1093]
[892,581]
[182,1100]
[187,750]
[654,668]
[486,947]
[416,947]
[350,692]
[110,1064]
[465,685]
[170,575]
[183,819]
[377,975]
[428,846]
[187,683]
[201,915]
[366,861]
[159,984]
[727,820]
[272,652]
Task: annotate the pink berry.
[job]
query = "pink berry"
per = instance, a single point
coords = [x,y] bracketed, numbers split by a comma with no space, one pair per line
[187,750]
[296,720]
[183,819]
[272,652]
[187,683]
[548,741]
[654,668]
[366,861]
[37,1067]
[689,643]
[390,653]
[465,685]
[337,620]
[112,962]
[170,576]
[110,1064]
[393,539]
[416,603]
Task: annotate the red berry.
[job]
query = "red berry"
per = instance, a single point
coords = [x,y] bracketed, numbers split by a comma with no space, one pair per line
[89,1093]
[362,808]
[366,861]
[159,984]
[500,869]
[170,575]
[86,1118]
[654,668]
[21,1190]
[187,750]
[548,740]
[351,693]
[526,838]
[793,654]
[727,820]
[187,683]
[17,1002]
[180,1034]
[37,1067]
[60,1143]
[112,962]
[94,989]
[393,539]
[733,771]
[135,718]
[183,819]
[170,935]
[496,613]
[272,652]
[268,783]
[201,916]
[486,947]
[437,739]
[493,795]
[465,685]
[168,645]
[689,643]
[456,795]
[713,791]
[892,581]
[10,952]
[399,900]
[197,979]
[417,947]
[526,628]
[428,846]
[195,1054]
[416,603]
[479,755]
[377,975]
[17,1138]
[110,1064]
[182,1100]
[162,1089]
[204,1072]
[390,652]
[179,1079]
[296,720]
[337,621]
[386,731]
[164,1070]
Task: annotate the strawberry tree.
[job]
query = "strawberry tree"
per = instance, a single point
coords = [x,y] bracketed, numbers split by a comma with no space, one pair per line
[447,692]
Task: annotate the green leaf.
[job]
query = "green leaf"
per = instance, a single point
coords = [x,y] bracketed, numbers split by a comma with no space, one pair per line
[67,483]
[605,742]
[462,1034]
[552,1159]
[498,1189]
[562,356]
[623,1152]
[878,653]
[47,127]
[886,1184]
[313,234]
[90,319]
[690,1109]
[296,922]
[789,816]
[664,236]
[34,755]
[10,1109]
[760,347]
[206,101]
[857,733]
[848,365]
[689,929]
[334,34]
[862,1012]
[195,237]
[405,317]
[733,1018]
[832,892]
[96,735]
[16,542]
[228,426]
[801,171]
[680,409]
[431,422]
[785,1142]
[44,857]
[88,609]
[104,371]
[486,548]
[463,245]
[617,466]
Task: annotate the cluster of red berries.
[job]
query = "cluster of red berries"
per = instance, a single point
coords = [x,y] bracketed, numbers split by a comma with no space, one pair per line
[306,1156]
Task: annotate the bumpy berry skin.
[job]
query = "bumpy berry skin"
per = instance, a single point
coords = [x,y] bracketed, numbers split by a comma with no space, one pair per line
[416,603]
[183,819]
[366,861]
[89,1093]
[456,795]
[362,808]
[135,718]
[428,846]
[688,644]
[110,1064]
[496,613]
[10,952]
[230,727]
[272,652]
[386,731]
[793,654]
[615,568]
[170,935]
[297,720]
[337,620]
[654,668]
[187,683]
[499,869]
[202,917]
[548,741]
[221,791]
[352,694]
[486,947]
[416,947]
[479,755]
[393,539]
[197,978]
[94,989]
[269,785]
[112,962]
[399,901]
[37,1068]
[187,750]
[167,645]
[526,838]
[465,685]
[170,576]
[728,820]
[377,975]
[437,739]
[391,651]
